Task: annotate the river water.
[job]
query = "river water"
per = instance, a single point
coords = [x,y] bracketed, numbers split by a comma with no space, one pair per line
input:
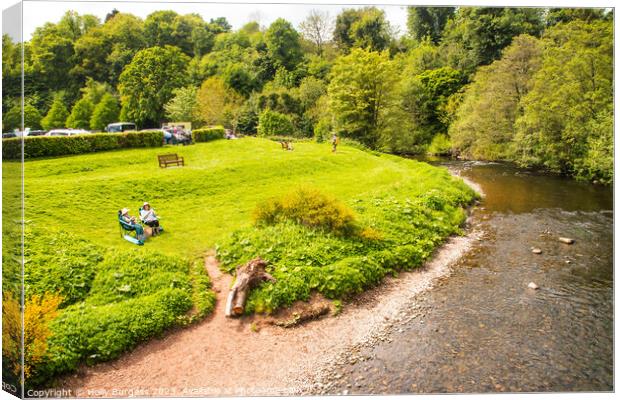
[481,329]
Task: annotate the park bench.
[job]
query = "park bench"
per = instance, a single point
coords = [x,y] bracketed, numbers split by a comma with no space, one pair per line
[170,159]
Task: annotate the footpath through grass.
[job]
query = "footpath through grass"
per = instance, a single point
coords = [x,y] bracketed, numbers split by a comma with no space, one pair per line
[111,294]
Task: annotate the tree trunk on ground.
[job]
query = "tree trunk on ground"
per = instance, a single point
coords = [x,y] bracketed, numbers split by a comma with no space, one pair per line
[248,276]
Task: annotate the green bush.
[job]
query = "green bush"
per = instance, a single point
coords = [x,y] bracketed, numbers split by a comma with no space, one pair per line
[308,207]
[272,123]
[208,134]
[51,146]
[440,145]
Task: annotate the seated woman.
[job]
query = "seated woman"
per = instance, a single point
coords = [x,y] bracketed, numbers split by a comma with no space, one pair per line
[131,221]
[148,216]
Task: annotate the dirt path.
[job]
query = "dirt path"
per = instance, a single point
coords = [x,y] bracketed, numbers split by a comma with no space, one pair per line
[221,356]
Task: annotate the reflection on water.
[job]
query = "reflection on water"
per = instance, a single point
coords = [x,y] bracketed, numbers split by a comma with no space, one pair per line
[482,329]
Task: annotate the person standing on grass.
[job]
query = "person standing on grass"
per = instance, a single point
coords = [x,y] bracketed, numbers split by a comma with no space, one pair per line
[148,216]
[335,141]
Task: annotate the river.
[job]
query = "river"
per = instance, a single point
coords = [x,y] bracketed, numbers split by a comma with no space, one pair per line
[481,329]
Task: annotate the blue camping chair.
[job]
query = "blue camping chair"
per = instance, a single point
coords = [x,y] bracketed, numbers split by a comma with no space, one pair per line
[127,229]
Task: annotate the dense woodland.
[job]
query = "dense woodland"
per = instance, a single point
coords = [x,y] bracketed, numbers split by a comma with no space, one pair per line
[528,85]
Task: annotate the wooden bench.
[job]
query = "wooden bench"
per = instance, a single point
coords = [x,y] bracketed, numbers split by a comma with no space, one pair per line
[170,159]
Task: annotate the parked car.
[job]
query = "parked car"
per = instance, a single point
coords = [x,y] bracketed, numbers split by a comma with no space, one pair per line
[120,127]
[66,132]
[37,133]
[8,135]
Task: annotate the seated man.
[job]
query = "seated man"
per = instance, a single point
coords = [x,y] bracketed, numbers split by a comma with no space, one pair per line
[148,216]
[131,221]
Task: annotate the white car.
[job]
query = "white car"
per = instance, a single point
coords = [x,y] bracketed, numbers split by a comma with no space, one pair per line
[66,132]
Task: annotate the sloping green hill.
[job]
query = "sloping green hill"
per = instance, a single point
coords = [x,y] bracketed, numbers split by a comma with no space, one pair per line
[332,223]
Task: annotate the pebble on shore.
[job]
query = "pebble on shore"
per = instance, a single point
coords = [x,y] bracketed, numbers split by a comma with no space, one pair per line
[532,285]
[536,251]
[567,240]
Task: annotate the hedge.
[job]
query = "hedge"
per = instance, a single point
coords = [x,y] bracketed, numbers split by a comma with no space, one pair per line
[50,146]
[208,134]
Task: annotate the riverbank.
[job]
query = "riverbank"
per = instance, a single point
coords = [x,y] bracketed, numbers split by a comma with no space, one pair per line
[221,356]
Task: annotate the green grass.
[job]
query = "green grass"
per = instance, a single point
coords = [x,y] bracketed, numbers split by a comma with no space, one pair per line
[402,209]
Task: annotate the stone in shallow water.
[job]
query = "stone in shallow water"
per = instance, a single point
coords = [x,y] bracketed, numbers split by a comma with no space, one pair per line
[567,240]
[532,285]
[536,251]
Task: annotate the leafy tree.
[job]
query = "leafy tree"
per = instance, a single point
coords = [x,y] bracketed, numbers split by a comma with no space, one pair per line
[283,44]
[366,28]
[422,101]
[484,126]
[105,112]
[80,114]
[57,114]
[12,119]
[428,22]
[102,53]
[272,123]
[240,79]
[371,31]
[361,94]
[220,25]
[556,16]
[183,106]
[147,83]
[317,28]
[477,35]
[51,55]
[218,104]
[566,124]
[74,25]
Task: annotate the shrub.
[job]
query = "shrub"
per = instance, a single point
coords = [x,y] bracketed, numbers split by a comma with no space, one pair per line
[38,312]
[208,134]
[440,145]
[308,207]
[272,123]
[50,146]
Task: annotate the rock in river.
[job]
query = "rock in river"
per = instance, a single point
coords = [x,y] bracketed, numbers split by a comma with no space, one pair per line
[536,251]
[567,240]
[532,285]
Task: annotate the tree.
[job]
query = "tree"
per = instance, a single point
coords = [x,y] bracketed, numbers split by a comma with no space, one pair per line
[12,119]
[51,58]
[80,114]
[371,31]
[183,106]
[428,22]
[218,104]
[566,124]
[316,28]
[485,122]
[105,112]
[556,16]
[57,114]
[273,123]
[147,83]
[477,35]
[366,28]
[361,94]
[102,53]
[283,44]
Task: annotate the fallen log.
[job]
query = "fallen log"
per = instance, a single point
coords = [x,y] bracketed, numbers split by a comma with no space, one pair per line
[248,276]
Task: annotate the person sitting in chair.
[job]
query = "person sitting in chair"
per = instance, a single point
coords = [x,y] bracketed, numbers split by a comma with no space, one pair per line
[148,216]
[131,221]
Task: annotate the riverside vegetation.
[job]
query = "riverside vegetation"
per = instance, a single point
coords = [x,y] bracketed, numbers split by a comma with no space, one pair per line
[366,215]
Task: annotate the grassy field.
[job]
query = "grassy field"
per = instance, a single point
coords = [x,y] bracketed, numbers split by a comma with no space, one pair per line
[111,294]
